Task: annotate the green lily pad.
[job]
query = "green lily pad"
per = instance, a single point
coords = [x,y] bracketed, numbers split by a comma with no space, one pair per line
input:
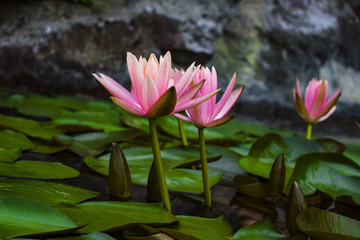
[331,173]
[104,216]
[178,179]
[90,236]
[46,192]
[199,228]
[91,144]
[228,132]
[36,169]
[353,152]
[10,140]
[29,127]
[22,216]
[47,147]
[263,230]
[9,155]
[264,151]
[321,224]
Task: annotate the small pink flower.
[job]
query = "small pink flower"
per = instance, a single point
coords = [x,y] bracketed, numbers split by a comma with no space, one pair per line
[153,92]
[210,113]
[315,108]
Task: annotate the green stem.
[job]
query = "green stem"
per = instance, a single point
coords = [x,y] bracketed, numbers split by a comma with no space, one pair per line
[308,131]
[204,167]
[158,164]
[182,132]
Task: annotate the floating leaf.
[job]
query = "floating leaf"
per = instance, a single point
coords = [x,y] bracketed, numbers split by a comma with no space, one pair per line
[353,152]
[230,131]
[10,140]
[36,169]
[178,179]
[22,216]
[46,192]
[90,236]
[199,228]
[331,173]
[263,152]
[29,127]
[9,155]
[321,224]
[47,147]
[91,144]
[331,145]
[103,216]
[261,230]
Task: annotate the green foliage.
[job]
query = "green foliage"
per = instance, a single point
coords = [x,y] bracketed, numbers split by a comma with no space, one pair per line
[58,132]
[34,217]
[177,178]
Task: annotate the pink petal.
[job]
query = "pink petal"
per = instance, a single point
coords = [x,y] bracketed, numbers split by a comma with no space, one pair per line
[150,94]
[335,95]
[332,110]
[188,95]
[129,107]
[152,67]
[230,102]
[136,74]
[298,87]
[310,95]
[225,96]
[163,75]
[185,118]
[185,80]
[193,102]
[219,121]
[320,92]
[213,84]
[115,88]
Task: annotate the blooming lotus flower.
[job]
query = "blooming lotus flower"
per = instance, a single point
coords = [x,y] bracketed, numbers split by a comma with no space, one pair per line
[210,113]
[315,108]
[154,93]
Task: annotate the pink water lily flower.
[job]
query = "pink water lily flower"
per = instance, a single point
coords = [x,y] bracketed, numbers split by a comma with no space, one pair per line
[210,113]
[315,108]
[153,93]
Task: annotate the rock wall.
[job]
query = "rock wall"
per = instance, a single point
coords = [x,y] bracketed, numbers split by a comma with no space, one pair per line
[54,46]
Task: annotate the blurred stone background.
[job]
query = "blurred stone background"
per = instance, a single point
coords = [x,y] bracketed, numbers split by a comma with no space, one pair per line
[53,46]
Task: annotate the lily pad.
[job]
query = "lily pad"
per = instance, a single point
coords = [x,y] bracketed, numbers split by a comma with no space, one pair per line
[91,144]
[331,173]
[106,216]
[90,236]
[10,140]
[10,155]
[321,224]
[47,147]
[263,230]
[22,216]
[265,150]
[178,179]
[46,192]
[199,228]
[36,169]
[227,132]
[29,127]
